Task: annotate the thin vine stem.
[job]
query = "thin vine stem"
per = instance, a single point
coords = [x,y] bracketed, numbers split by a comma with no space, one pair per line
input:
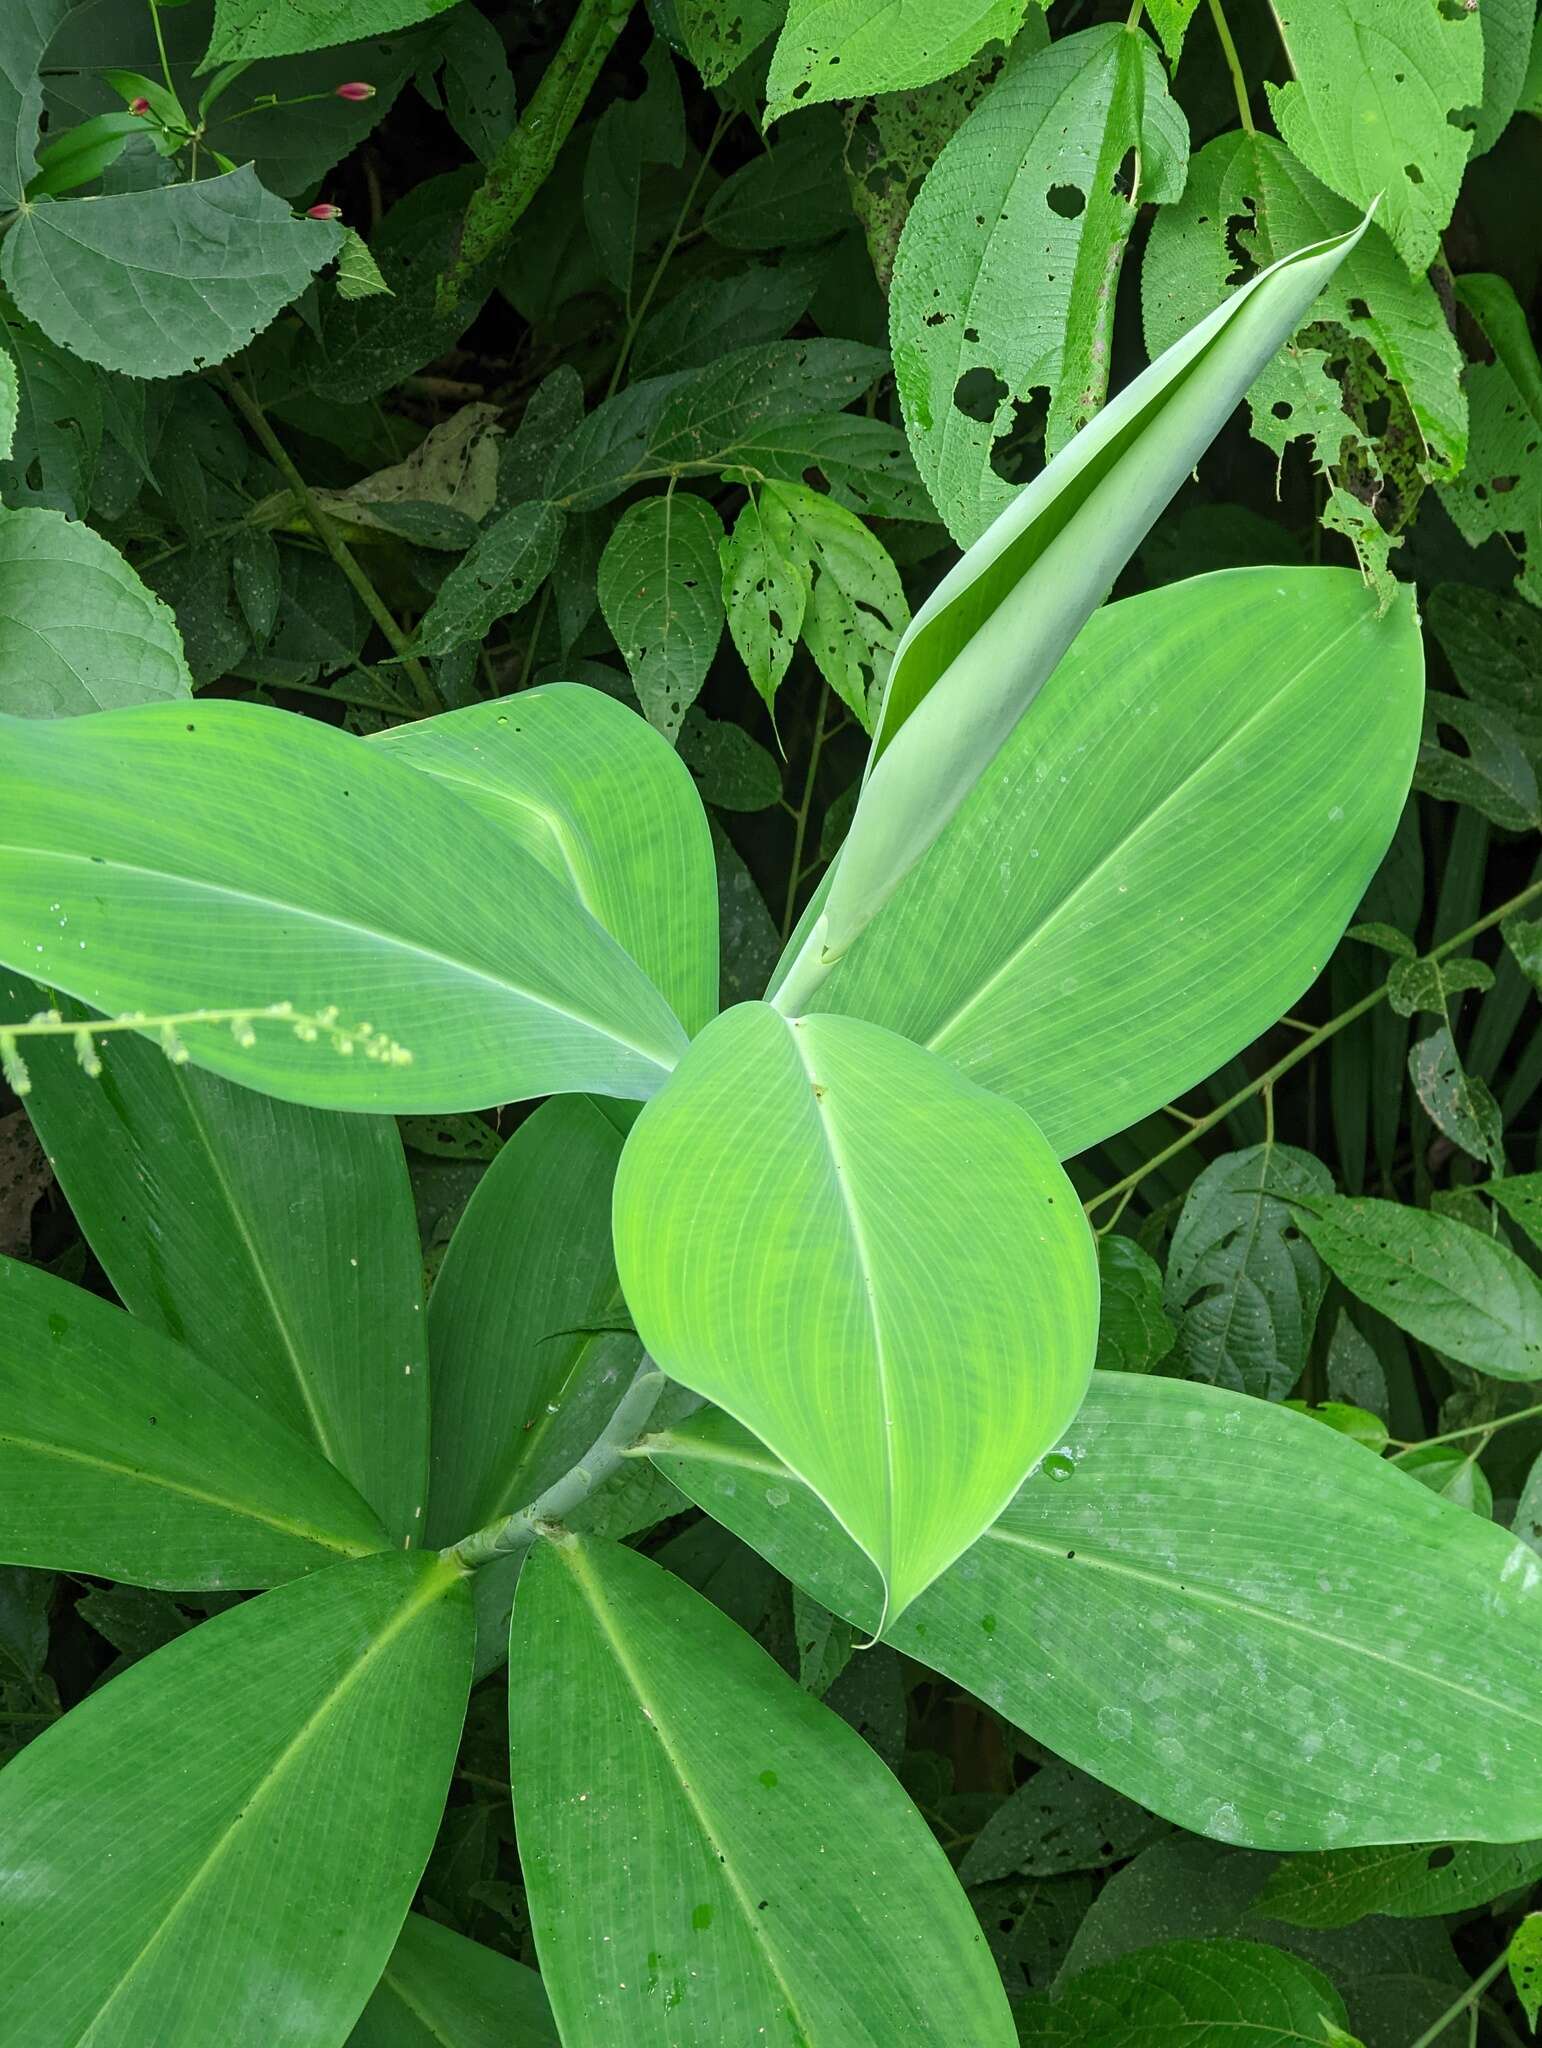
[1239,84]
[1469,1997]
[638,314]
[326,532]
[512,1535]
[801,814]
[1453,1436]
[1303,1050]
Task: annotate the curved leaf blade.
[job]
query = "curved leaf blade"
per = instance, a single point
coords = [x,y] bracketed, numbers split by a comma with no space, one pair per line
[157,861]
[606,806]
[277,1242]
[688,1737]
[990,634]
[310,1736]
[1228,1994]
[1167,851]
[845,49]
[123,1455]
[906,1307]
[442,1991]
[1220,1566]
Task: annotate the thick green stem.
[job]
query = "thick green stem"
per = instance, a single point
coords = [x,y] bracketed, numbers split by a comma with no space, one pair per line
[326,532]
[515,1533]
[1298,1053]
[1233,64]
[524,162]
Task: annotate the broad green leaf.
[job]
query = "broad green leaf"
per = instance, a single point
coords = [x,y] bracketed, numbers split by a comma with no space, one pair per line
[78,630]
[906,1308]
[1377,88]
[8,403]
[1005,276]
[1453,1473]
[1060,1821]
[244,29]
[275,1241]
[171,859]
[629,134]
[57,426]
[442,1991]
[1520,1196]
[856,609]
[1488,769]
[1170,19]
[1494,646]
[1500,489]
[81,154]
[1508,28]
[789,196]
[25,30]
[720,34]
[502,570]
[1221,1566]
[1458,1103]
[1169,853]
[1440,1280]
[696,421]
[160,282]
[591,792]
[660,592]
[309,1738]
[1243,1283]
[1228,1994]
[1526,1966]
[765,591]
[713,312]
[123,1455]
[526,1322]
[988,637]
[1406,1882]
[1248,193]
[845,49]
[865,463]
[1134,1334]
[640,1715]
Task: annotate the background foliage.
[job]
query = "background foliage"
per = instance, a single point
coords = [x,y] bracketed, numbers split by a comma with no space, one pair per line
[673,349]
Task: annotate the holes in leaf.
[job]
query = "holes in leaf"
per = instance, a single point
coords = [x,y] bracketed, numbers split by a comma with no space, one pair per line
[978,394]
[1067,200]
[1458,10]
[1413,174]
[1359,310]
[1024,431]
[1124,177]
[1439,1858]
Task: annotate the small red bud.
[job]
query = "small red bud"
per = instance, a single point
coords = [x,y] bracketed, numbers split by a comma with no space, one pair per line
[355,89]
[324,212]
[139,106]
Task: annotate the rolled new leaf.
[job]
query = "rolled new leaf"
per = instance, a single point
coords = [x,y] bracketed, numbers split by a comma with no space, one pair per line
[983,644]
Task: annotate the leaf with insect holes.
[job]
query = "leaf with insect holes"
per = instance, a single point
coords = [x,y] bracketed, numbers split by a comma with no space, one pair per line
[661,593]
[25,31]
[720,34]
[1374,102]
[1500,489]
[164,281]
[765,591]
[846,49]
[856,609]
[1211,1991]
[500,573]
[1005,275]
[244,29]
[1526,1966]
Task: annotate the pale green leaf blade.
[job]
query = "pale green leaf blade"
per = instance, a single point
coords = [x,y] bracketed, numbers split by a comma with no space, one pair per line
[594,794]
[1248,194]
[845,49]
[906,1308]
[988,637]
[277,1242]
[765,593]
[310,1737]
[660,591]
[78,630]
[442,1991]
[1439,1279]
[1526,1966]
[162,860]
[1172,852]
[9,402]
[690,1739]
[720,34]
[1228,1994]
[244,29]
[1006,271]
[123,1455]
[25,30]
[1223,1566]
[1500,489]
[1170,19]
[528,1357]
[856,606]
[159,282]
[1374,87]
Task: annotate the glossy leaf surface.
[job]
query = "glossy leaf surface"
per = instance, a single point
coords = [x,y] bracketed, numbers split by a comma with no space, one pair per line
[711,1855]
[124,1455]
[1189,1599]
[904,1306]
[277,1242]
[1164,852]
[163,859]
[605,805]
[989,636]
[525,1320]
[442,1991]
[309,1736]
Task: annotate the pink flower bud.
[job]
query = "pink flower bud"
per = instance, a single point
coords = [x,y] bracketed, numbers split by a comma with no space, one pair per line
[324,212]
[140,105]
[356,89]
